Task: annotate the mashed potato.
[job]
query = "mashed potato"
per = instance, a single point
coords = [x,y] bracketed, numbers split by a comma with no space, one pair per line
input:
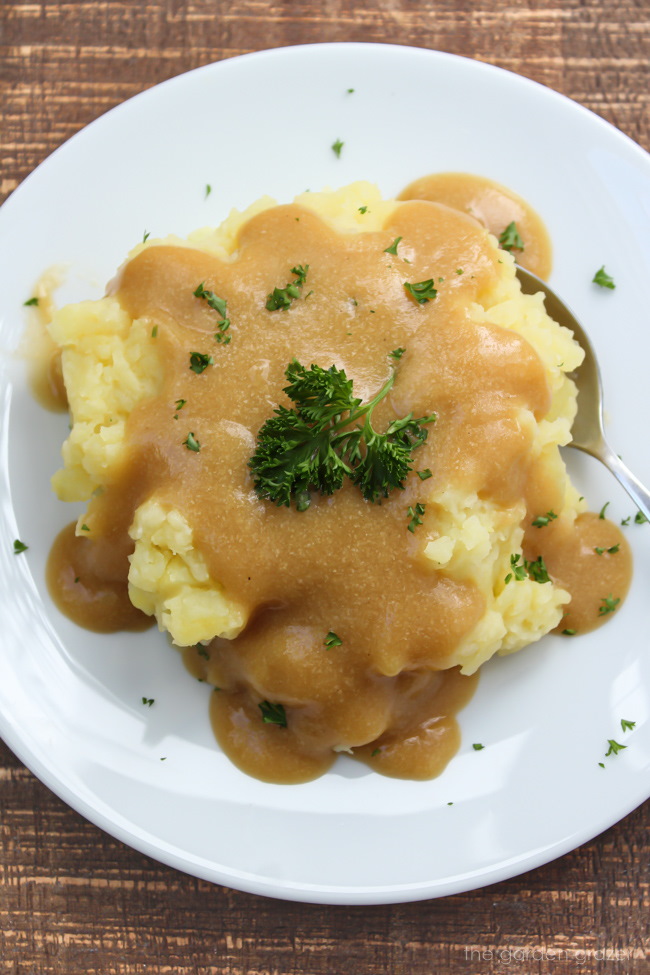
[110,365]
[349,625]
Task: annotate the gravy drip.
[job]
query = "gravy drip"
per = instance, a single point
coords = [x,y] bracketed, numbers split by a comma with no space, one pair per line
[495,207]
[87,580]
[344,565]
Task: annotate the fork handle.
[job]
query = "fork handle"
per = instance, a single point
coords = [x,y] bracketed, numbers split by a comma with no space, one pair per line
[639,494]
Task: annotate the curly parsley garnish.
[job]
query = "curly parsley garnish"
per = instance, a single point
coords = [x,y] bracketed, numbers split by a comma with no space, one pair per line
[282,297]
[510,238]
[315,446]
[602,278]
[273,713]
[422,291]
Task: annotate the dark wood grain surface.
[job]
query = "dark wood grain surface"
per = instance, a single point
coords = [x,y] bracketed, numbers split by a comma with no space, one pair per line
[72,899]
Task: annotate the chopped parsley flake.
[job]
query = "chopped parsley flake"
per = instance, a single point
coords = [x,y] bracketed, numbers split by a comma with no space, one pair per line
[336,148]
[569,632]
[610,551]
[415,514]
[363,209]
[332,640]
[628,725]
[219,305]
[608,605]
[273,714]
[208,190]
[202,652]
[148,701]
[192,443]
[393,247]
[614,747]
[603,279]
[31,301]
[459,270]
[199,362]
[281,298]
[422,291]
[543,520]
[154,332]
[626,521]
[477,746]
[510,238]
[214,301]
[350,91]
[19,547]
[145,236]
[640,518]
[374,752]
[535,570]
[180,403]
[601,513]
[85,528]
[397,353]
[425,474]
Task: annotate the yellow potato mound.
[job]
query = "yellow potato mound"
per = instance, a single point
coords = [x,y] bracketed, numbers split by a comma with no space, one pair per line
[109,367]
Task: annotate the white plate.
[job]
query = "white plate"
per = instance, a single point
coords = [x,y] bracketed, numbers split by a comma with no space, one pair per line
[71,701]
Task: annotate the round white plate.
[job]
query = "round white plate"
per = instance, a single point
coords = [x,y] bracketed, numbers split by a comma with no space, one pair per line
[70,700]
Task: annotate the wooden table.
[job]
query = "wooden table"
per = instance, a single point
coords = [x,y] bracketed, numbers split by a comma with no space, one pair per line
[73,900]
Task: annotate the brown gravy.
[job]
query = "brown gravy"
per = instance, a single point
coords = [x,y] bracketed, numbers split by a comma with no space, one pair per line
[88,581]
[344,565]
[495,207]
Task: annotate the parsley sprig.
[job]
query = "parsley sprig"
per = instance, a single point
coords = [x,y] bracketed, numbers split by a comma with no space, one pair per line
[315,446]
